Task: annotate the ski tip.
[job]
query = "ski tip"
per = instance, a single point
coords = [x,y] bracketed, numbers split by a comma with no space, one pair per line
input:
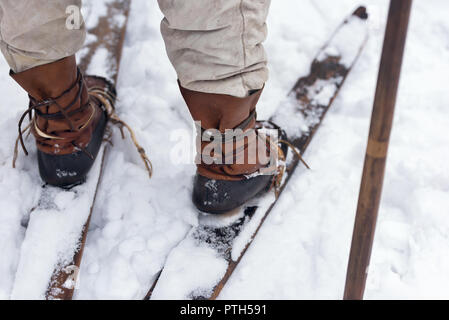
[361,13]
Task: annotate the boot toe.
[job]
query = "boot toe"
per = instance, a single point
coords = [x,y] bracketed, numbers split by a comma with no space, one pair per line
[71,169]
[221,196]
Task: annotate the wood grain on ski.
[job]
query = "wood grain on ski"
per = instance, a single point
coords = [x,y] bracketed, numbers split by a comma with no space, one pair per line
[63,281]
[326,69]
[328,72]
[109,35]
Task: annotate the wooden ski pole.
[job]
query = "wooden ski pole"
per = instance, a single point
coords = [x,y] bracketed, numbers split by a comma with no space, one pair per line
[376,152]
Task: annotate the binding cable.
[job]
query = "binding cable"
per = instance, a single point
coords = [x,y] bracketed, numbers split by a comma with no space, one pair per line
[296,151]
[282,166]
[106,99]
[16,145]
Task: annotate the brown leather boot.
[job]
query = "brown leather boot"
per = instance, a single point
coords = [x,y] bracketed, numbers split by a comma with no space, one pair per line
[221,185]
[68,123]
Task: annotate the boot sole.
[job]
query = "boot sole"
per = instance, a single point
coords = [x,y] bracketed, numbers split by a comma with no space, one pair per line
[70,170]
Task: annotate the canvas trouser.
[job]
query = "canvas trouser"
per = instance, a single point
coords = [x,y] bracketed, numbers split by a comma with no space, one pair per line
[35,32]
[215,46]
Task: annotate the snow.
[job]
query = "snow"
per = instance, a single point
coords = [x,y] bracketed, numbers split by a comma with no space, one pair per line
[198,271]
[52,236]
[244,237]
[92,10]
[346,43]
[293,124]
[303,247]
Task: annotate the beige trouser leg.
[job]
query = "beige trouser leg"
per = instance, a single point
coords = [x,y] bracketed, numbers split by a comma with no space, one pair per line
[35,32]
[216,45]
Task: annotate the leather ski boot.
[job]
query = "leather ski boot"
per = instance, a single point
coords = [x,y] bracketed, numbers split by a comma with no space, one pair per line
[66,120]
[221,185]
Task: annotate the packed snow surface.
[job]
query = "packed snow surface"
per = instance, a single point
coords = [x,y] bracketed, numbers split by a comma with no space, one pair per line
[303,247]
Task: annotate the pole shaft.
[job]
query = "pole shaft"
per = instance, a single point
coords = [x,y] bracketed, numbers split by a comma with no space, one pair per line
[376,153]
